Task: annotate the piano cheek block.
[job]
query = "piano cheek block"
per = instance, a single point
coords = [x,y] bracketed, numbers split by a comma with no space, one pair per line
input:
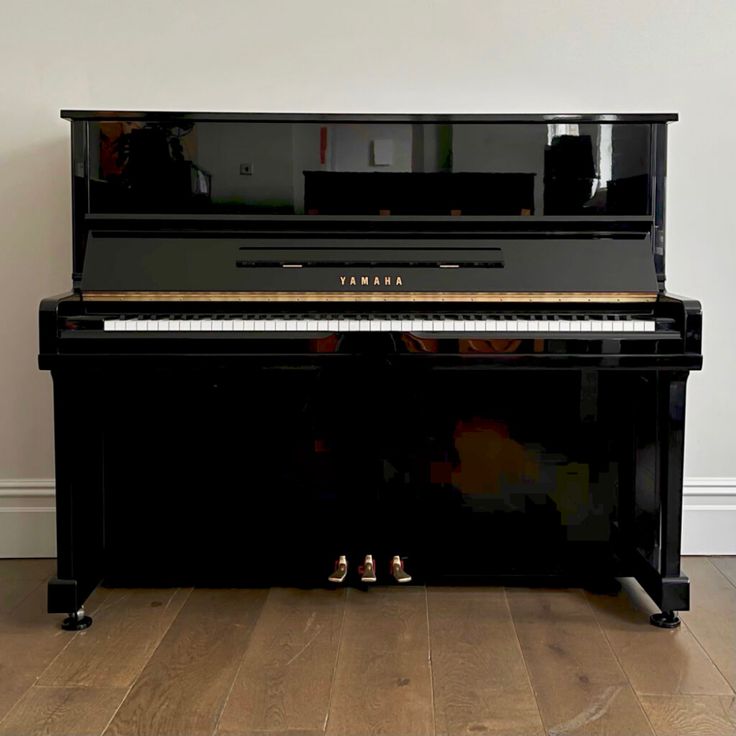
[328,344]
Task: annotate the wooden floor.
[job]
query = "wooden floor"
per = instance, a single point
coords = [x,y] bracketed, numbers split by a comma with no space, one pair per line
[512,662]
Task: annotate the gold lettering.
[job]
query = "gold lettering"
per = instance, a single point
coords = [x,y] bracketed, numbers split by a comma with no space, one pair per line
[387,280]
[364,281]
[399,282]
[376,281]
[342,280]
[352,281]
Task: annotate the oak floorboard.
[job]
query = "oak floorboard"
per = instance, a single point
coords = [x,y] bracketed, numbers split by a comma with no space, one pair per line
[727,565]
[656,661]
[183,687]
[13,592]
[62,711]
[40,569]
[689,715]
[712,614]
[480,680]
[30,639]
[126,630]
[383,683]
[285,678]
[579,685]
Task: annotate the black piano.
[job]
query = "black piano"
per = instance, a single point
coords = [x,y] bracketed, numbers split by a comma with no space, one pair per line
[439,338]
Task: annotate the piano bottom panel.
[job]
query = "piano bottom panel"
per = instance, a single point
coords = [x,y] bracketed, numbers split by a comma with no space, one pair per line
[264,478]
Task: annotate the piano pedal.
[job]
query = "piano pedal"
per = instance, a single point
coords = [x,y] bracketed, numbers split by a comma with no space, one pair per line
[341,570]
[368,570]
[397,570]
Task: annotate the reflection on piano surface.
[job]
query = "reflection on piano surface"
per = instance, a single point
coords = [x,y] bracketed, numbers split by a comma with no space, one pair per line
[439,340]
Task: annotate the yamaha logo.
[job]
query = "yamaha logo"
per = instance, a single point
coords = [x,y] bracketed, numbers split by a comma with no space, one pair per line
[371,281]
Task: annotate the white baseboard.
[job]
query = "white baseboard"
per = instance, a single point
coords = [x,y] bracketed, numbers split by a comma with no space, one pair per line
[709,516]
[27,517]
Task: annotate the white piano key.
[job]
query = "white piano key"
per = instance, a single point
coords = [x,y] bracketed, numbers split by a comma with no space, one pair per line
[565,325]
[238,325]
[259,325]
[291,325]
[107,325]
[322,325]
[416,325]
[364,325]
[426,325]
[354,325]
[522,325]
[227,325]
[552,325]
[300,325]
[195,325]
[333,325]
[279,325]
[628,325]
[533,325]
[342,325]
[608,326]
[649,326]
[585,326]
[217,325]
[174,325]
[639,325]
[206,325]
[405,325]
[575,325]
[502,325]
[396,325]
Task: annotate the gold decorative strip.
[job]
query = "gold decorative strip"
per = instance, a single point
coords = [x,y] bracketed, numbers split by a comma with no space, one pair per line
[367,296]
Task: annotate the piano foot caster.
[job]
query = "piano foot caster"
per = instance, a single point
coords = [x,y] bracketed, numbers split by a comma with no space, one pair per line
[665,620]
[76,621]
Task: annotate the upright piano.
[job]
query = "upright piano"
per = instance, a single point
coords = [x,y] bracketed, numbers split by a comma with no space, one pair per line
[445,338]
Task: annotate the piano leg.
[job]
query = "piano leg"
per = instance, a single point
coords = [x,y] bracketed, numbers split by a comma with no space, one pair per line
[674,587]
[79,450]
[662,577]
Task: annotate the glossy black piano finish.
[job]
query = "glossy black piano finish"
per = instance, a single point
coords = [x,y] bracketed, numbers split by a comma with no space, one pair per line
[498,395]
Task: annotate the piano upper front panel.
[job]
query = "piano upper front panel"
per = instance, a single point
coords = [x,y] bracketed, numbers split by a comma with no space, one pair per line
[284,168]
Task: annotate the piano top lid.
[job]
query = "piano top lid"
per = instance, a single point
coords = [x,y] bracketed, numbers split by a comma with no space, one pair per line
[285,117]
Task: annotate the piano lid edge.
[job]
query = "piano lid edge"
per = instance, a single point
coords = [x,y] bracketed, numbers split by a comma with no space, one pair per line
[332,296]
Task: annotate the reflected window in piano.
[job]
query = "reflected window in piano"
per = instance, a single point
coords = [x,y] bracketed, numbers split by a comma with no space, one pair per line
[424,169]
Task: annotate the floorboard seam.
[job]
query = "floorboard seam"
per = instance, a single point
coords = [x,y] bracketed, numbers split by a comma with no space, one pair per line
[429,660]
[240,665]
[618,661]
[337,659]
[720,572]
[145,664]
[523,659]
[710,659]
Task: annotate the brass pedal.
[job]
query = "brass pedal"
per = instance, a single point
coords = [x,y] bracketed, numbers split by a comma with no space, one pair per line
[368,570]
[341,570]
[397,570]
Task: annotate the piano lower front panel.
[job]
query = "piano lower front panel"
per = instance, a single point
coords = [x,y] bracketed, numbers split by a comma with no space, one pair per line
[264,477]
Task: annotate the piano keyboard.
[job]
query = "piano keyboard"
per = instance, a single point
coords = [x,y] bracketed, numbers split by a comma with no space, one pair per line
[356,323]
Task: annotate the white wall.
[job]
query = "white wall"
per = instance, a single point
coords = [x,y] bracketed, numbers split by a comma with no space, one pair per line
[382,56]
